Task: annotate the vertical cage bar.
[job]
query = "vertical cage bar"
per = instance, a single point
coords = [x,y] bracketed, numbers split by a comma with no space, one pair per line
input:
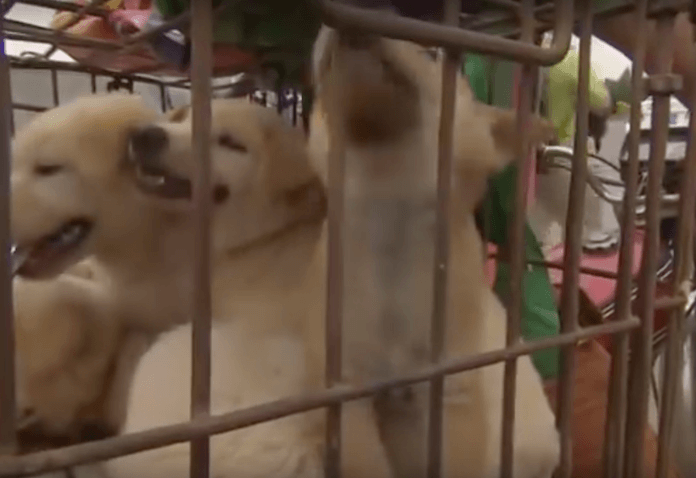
[334,291]
[54,86]
[201,72]
[681,285]
[448,102]
[573,249]
[618,386]
[163,97]
[516,247]
[93,82]
[7,343]
[641,343]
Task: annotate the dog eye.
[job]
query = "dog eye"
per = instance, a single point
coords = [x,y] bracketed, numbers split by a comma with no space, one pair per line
[47,169]
[227,141]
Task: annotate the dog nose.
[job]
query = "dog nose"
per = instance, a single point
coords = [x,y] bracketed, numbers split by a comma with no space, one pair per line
[148,141]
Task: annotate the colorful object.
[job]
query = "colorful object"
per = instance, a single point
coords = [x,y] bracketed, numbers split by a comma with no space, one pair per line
[562,93]
[539,314]
[279,32]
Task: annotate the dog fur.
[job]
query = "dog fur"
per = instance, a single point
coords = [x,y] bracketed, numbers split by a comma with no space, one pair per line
[74,355]
[265,228]
[389,113]
[383,97]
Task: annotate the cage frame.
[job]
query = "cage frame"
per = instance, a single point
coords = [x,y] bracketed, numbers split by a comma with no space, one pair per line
[623,452]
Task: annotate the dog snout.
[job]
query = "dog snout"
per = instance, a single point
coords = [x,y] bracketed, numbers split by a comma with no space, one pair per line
[147,143]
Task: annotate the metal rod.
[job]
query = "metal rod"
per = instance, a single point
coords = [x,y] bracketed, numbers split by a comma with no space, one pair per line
[345,16]
[592,271]
[25,107]
[615,426]
[201,94]
[448,102]
[641,342]
[89,8]
[54,87]
[7,335]
[516,247]
[573,249]
[334,288]
[681,286]
[50,460]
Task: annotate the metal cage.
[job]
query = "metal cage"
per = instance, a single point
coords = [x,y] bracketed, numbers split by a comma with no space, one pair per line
[519,21]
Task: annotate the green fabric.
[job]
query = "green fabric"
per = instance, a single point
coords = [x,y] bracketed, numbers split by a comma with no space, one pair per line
[281,32]
[562,93]
[539,316]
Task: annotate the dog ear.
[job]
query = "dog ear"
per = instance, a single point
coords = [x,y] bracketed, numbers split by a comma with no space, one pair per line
[507,138]
[178,115]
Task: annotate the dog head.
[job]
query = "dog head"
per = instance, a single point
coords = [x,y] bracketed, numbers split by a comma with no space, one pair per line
[382,91]
[260,173]
[65,346]
[71,185]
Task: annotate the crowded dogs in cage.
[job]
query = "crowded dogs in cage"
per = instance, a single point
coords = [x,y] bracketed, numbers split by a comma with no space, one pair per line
[103,178]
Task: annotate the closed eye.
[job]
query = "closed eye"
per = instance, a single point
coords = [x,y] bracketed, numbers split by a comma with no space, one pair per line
[227,141]
[47,169]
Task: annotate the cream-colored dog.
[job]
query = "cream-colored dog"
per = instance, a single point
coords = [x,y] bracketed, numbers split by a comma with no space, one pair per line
[264,238]
[384,98]
[133,214]
[74,355]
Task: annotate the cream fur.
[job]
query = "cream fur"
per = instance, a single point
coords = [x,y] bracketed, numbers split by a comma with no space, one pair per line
[139,240]
[74,356]
[384,97]
[263,235]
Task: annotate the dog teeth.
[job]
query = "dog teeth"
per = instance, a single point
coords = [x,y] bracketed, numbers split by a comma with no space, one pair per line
[150,179]
[19,257]
[71,234]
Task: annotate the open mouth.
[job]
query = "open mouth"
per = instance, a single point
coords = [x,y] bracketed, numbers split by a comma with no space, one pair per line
[157,181]
[49,253]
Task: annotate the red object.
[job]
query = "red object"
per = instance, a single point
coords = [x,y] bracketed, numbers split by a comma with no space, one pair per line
[130,18]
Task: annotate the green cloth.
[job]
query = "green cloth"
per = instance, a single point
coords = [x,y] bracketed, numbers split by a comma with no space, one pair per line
[540,315]
[562,93]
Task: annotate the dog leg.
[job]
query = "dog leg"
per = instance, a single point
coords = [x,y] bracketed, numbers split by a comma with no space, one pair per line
[403,425]
[363,455]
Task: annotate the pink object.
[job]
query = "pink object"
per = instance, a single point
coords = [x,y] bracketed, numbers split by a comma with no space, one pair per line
[599,290]
[490,263]
[130,18]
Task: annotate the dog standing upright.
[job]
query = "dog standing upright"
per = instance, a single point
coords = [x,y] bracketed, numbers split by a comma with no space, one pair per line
[384,96]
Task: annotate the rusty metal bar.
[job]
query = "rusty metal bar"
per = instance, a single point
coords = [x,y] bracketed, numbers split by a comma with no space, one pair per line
[54,87]
[26,32]
[334,289]
[615,426]
[7,336]
[163,98]
[345,16]
[641,342]
[57,459]
[516,246]
[89,9]
[448,101]
[681,286]
[201,94]
[25,107]
[573,248]
[670,302]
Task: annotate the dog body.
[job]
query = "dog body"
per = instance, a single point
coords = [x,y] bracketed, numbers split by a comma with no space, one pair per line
[248,369]
[383,97]
[268,209]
